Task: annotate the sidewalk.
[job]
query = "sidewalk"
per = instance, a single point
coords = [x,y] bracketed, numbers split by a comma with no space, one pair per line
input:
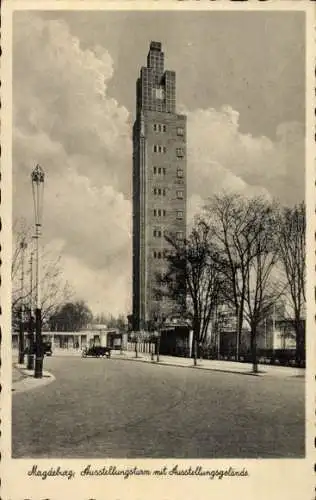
[204,364]
[215,365]
[23,379]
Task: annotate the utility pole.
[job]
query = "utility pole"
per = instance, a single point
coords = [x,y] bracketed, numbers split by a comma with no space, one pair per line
[30,356]
[23,247]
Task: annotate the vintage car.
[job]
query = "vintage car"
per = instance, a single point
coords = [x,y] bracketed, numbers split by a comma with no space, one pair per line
[46,347]
[96,351]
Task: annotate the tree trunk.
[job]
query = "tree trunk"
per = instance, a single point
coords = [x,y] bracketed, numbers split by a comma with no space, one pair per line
[254,350]
[195,345]
[136,349]
[200,350]
[300,342]
[239,330]
[158,348]
[151,351]
[21,339]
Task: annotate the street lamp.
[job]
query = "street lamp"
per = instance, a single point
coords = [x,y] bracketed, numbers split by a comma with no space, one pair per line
[37,177]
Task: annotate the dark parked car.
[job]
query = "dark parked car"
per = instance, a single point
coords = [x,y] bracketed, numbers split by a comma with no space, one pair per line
[47,349]
[96,352]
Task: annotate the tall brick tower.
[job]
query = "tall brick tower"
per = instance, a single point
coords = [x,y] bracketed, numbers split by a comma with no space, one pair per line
[159,184]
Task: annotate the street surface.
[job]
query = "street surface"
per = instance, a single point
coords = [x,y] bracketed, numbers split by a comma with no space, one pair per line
[116,408]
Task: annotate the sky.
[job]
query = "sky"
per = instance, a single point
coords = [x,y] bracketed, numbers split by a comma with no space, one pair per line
[240,80]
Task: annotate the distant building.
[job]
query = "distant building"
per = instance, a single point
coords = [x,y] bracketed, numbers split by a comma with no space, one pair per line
[159,184]
[93,335]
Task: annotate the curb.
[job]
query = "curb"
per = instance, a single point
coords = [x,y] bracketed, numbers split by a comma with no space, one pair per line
[163,363]
[28,382]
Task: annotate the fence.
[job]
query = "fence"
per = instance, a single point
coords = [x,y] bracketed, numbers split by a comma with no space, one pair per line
[142,347]
[283,357]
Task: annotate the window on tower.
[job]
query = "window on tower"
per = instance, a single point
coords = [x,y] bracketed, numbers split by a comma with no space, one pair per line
[180,172]
[180,152]
[159,127]
[180,195]
[180,131]
[179,214]
[157,148]
[159,170]
[159,191]
[158,212]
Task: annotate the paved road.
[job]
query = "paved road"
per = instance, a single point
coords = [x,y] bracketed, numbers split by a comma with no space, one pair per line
[125,409]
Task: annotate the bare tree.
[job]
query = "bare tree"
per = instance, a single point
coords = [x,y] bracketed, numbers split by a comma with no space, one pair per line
[291,241]
[231,218]
[263,288]
[55,290]
[22,233]
[243,230]
[193,274]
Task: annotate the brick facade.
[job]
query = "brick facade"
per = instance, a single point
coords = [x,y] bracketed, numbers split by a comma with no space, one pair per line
[159,184]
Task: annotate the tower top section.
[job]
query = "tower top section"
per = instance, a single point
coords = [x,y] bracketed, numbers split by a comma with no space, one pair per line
[156,88]
[155,46]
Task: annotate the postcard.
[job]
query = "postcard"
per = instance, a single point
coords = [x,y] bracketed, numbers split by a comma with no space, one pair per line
[158,250]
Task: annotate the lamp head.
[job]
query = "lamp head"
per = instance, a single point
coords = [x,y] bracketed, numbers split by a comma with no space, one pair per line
[38,175]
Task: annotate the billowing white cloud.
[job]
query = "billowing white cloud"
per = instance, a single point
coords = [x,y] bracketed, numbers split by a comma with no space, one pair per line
[220,157]
[65,120]
[106,291]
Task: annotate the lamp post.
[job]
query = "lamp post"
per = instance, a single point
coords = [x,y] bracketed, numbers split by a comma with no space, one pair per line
[23,247]
[30,356]
[37,177]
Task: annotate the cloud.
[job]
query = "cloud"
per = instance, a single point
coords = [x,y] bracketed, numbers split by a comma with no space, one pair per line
[65,120]
[220,157]
[107,291]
